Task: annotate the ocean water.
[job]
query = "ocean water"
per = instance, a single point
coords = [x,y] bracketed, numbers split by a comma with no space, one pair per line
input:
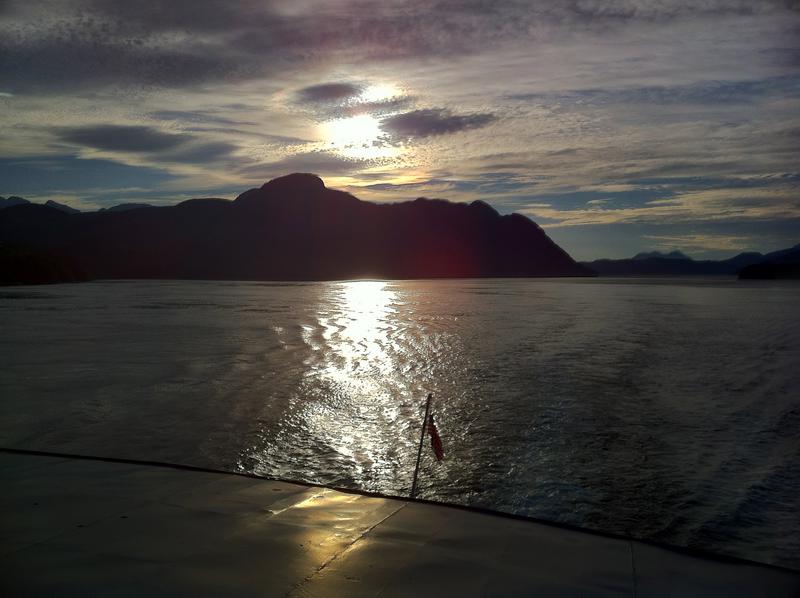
[665,409]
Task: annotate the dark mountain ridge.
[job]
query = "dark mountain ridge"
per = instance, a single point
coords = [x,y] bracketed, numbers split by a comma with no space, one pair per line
[292,228]
[60,206]
[672,255]
[7,202]
[779,264]
[659,264]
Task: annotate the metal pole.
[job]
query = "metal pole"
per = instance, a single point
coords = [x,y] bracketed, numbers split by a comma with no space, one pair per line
[421,440]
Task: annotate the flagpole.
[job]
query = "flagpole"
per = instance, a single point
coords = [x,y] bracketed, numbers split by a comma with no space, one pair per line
[421,440]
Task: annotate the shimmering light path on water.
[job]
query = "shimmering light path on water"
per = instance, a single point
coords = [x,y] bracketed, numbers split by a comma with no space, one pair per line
[666,409]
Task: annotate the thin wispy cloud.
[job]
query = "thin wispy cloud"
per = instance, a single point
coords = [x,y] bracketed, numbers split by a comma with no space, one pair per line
[701,242]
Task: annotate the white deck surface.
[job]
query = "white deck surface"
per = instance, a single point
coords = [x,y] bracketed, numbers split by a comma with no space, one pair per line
[74,527]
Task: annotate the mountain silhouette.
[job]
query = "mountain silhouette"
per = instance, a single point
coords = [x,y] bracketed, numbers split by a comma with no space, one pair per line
[672,255]
[779,264]
[26,265]
[60,206]
[676,263]
[292,228]
[7,202]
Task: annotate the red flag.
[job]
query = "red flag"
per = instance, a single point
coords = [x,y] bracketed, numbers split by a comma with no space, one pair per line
[436,441]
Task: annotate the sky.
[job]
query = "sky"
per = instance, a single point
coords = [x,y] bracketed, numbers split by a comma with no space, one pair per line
[618,126]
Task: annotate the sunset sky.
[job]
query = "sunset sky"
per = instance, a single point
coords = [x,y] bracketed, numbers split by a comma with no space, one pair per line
[617,126]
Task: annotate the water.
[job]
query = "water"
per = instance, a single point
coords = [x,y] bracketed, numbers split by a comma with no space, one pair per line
[664,409]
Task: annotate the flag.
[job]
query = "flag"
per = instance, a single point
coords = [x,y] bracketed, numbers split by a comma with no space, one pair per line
[436,441]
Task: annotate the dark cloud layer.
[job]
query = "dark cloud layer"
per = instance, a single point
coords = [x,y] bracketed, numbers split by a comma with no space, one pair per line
[433,121]
[169,147]
[120,138]
[81,44]
[343,99]
[328,92]
[76,59]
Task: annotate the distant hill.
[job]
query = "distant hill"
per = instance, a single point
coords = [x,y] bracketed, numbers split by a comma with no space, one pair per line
[60,206]
[672,255]
[293,228]
[779,264]
[19,201]
[7,202]
[676,263]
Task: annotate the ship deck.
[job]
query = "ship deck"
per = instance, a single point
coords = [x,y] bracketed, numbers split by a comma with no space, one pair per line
[75,526]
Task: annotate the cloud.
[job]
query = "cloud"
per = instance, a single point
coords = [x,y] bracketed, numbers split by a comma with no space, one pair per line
[196,116]
[328,92]
[375,107]
[122,138]
[78,59]
[167,147]
[340,100]
[700,93]
[702,241]
[319,162]
[86,44]
[344,100]
[433,121]
[578,100]
[199,15]
[201,153]
[769,202]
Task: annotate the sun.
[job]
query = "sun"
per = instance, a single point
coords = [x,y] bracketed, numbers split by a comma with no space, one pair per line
[357,137]
[380,92]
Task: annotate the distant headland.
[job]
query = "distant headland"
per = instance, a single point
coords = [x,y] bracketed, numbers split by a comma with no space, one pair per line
[291,228]
[778,264]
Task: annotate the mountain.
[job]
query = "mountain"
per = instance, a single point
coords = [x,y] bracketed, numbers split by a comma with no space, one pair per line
[778,264]
[655,263]
[672,266]
[672,255]
[60,206]
[25,265]
[293,228]
[7,202]
[785,256]
[16,201]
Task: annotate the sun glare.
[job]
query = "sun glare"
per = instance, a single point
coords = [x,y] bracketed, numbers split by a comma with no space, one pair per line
[357,137]
[379,93]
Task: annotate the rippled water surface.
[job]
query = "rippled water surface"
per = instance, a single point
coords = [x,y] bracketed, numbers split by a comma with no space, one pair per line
[666,409]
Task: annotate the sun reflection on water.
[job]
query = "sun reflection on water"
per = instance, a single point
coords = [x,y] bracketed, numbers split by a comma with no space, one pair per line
[355,402]
[358,367]
[360,332]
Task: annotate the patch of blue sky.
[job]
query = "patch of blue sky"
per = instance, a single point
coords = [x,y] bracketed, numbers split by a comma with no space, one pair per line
[50,174]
